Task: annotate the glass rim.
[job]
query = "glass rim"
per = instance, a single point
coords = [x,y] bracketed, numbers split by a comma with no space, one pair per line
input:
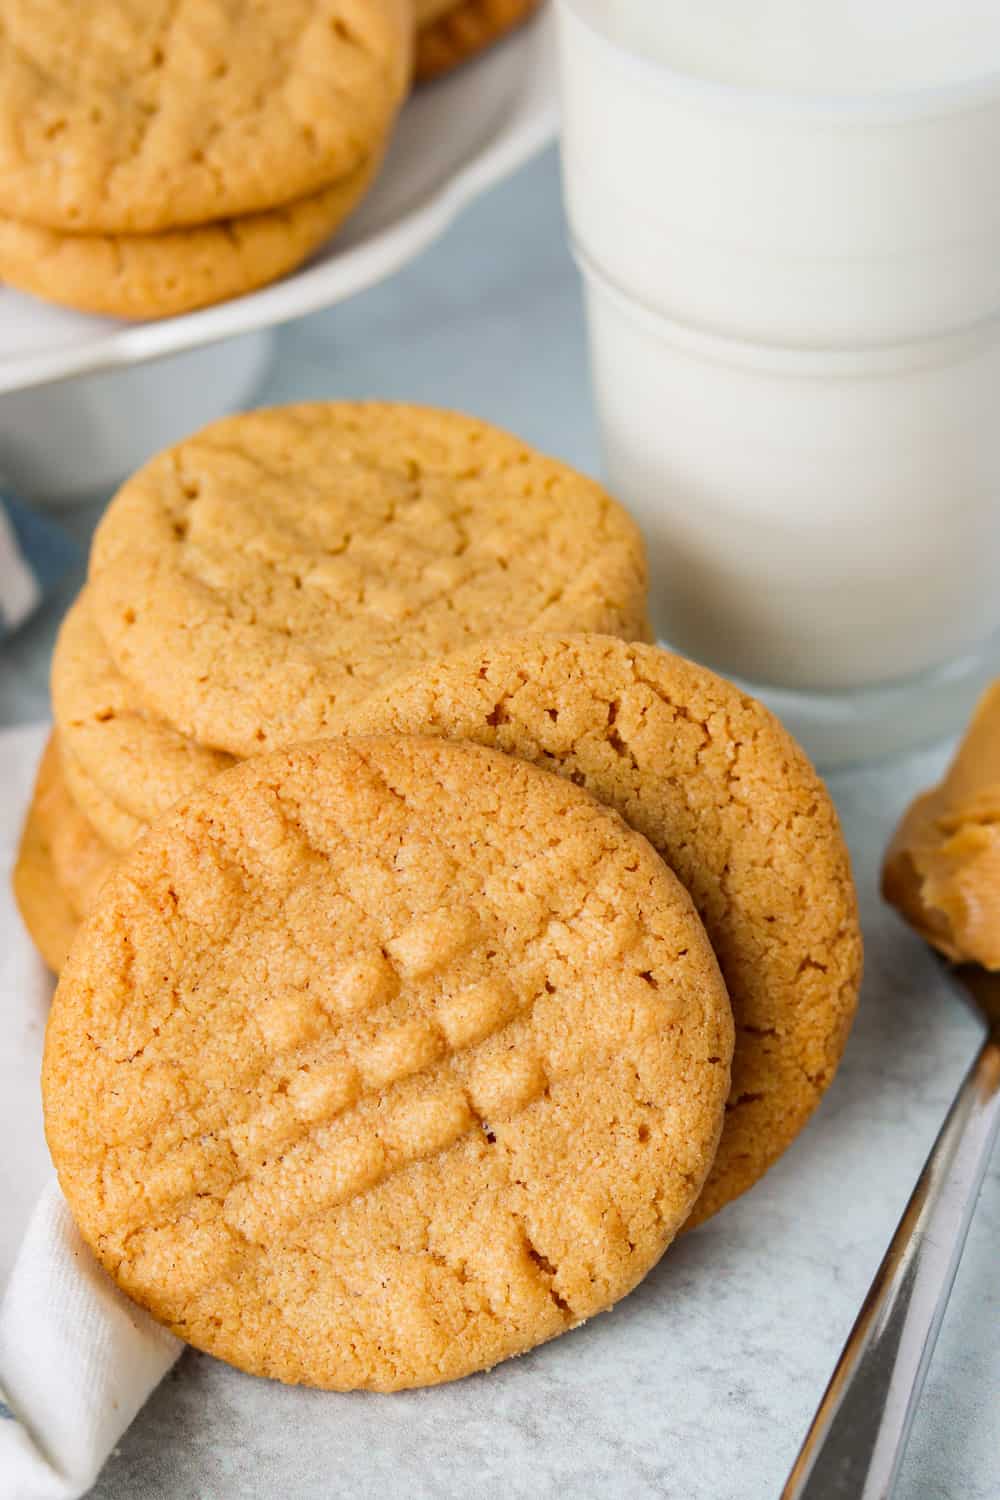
[845,106]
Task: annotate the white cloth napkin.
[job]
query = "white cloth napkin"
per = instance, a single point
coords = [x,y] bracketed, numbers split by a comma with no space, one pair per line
[77,1359]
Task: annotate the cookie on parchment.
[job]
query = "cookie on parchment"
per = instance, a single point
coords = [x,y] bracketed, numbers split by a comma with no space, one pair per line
[161,275]
[380,1061]
[730,801]
[254,579]
[450,33]
[124,119]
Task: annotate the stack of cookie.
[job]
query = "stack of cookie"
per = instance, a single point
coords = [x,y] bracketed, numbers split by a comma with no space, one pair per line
[543,946]
[731,804]
[155,158]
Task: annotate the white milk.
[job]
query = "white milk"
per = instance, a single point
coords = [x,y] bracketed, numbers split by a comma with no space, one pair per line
[811,45]
[816,523]
[788,217]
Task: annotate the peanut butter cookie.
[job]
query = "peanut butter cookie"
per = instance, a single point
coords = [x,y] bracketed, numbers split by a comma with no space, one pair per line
[44,906]
[453,33]
[280,564]
[380,1061]
[736,810]
[122,119]
[123,750]
[80,859]
[111,822]
[175,271]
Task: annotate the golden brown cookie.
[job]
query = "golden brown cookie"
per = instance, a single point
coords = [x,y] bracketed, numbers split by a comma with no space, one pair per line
[132,118]
[734,807]
[44,906]
[80,859]
[176,271]
[458,32]
[122,749]
[426,11]
[279,564]
[109,820]
[379,1062]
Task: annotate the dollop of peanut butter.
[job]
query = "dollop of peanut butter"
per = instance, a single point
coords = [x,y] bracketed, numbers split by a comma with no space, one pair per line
[942,868]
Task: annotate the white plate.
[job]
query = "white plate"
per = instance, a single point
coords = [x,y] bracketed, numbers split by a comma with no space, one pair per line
[455,139]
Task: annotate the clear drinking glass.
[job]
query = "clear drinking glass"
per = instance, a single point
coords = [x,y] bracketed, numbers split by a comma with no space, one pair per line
[793,300]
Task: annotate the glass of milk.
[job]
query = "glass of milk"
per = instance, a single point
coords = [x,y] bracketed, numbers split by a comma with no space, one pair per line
[787,216]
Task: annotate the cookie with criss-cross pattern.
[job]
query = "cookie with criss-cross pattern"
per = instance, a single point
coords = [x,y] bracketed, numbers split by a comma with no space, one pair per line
[135,119]
[379,1061]
[159,157]
[730,801]
[279,564]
